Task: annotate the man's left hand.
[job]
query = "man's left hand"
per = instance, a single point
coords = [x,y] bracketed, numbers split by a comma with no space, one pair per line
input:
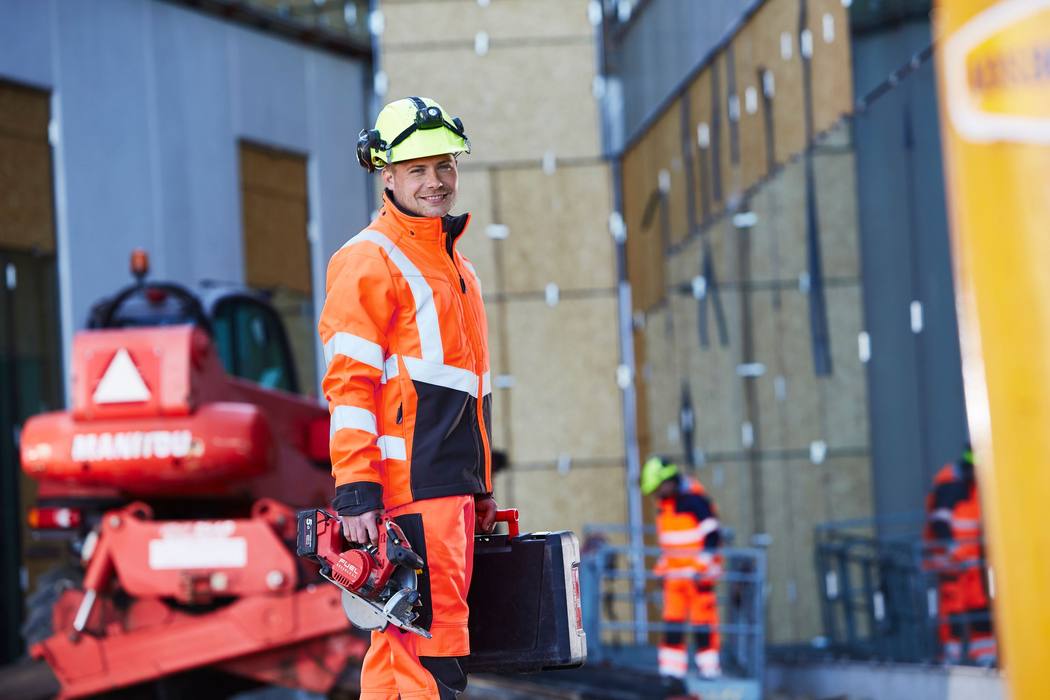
[485,514]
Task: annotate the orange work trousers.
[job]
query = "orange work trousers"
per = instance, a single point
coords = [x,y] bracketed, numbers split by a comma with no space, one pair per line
[402,664]
[966,630]
[685,600]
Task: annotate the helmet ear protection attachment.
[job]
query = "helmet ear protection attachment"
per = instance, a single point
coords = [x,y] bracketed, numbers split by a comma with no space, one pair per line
[427,117]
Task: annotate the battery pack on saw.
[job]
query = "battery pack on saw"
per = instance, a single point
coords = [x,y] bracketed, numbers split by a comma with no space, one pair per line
[524,602]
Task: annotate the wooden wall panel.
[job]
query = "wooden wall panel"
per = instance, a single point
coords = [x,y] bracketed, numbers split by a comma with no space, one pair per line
[475,196]
[559,228]
[414,22]
[565,399]
[504,121]
[832,62]
[645,255]
[568,501]
[751,127]
[846,389]
[776,24]
[778,240]
[26,210]
[662,386]
[837,213]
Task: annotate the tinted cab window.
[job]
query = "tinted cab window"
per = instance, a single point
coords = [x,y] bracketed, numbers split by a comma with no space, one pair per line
[252,344]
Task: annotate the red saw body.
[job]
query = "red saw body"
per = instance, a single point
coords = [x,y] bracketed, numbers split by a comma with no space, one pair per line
[175,476]
[378,582]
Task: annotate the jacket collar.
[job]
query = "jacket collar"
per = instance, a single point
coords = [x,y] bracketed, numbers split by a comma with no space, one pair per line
[424,228]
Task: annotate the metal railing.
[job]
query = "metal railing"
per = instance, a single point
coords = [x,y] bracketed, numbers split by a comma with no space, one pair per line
[609,604]
[879,590]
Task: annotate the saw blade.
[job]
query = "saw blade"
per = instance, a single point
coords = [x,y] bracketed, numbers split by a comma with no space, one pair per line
[366,615]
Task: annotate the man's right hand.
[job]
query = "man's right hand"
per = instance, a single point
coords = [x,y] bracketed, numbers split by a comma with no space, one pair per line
[363,528]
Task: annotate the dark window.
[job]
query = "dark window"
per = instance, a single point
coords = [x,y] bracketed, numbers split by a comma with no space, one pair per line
[252,344]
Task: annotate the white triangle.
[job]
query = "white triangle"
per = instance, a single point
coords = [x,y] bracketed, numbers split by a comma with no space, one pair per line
[122,382]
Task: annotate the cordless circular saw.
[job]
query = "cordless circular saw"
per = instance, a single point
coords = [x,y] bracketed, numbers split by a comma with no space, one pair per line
[379,582]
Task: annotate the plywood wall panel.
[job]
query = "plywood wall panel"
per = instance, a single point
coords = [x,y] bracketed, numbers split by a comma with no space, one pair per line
[846,388]
[832,63]
[751,127]
[778,240]
[775,19]
[662,386]
[559,228]
[768,351]
[551,500]
[835,176]
[422,22]
[506,122]
[801,411]
[849,488]
[26,221]
[475,197]
[645,255]
[565,399]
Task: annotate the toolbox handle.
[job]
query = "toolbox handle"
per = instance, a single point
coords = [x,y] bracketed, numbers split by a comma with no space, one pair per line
[509,516]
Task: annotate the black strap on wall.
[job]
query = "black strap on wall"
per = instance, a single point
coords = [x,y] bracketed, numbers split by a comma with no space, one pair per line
[687,137]
[732,97]
[818,313]
[716,134]
[707,270]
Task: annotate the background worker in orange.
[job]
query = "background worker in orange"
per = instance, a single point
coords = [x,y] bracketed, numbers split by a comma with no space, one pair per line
[408,385]
[688,533]
[955,543]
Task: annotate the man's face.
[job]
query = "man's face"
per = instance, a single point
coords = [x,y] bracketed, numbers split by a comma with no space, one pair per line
[667,489]
[424,186]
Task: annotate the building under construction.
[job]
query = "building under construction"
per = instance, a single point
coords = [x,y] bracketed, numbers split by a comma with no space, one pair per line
[711,231]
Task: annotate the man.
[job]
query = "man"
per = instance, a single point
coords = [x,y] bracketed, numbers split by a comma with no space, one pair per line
[956,553]
[405,338]
[688,533]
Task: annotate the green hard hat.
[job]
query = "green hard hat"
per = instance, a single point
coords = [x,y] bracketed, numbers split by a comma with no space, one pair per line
[413,127]
[655,472]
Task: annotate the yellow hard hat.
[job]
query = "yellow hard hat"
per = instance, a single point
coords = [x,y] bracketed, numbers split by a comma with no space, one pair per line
[413,127]
[655,472]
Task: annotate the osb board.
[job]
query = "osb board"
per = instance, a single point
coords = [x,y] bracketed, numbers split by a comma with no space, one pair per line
[26,221]
[751,126]
[849,488]
[279,173]
[832,62]
[684,265]
[836,186]
[728,485]
[276,250]
[701,110]
[24,112]
[552,500]
[565,399]
[641,387]
[778,239]
[846,390]
[769,24]
[663,386]
[511,108]
[664,141]
[495,313]
[559,228]
[715,387]
[799,415]
[645,255]
[411,23]
[475,196]
[769,425]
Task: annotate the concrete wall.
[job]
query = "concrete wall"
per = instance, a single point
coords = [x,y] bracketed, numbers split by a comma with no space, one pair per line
[520,74]
[149,101]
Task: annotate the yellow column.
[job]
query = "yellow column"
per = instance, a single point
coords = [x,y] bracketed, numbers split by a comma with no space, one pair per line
[994,63]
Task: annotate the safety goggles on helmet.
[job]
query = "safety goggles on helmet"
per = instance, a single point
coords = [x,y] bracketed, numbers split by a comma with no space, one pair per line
[373,151]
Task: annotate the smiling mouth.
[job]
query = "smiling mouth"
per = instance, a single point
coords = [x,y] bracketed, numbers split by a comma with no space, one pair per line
[434,198]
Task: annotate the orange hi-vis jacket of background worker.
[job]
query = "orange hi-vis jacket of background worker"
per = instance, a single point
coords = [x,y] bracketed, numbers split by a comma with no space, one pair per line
[688,533]
[404,335]
[954,539]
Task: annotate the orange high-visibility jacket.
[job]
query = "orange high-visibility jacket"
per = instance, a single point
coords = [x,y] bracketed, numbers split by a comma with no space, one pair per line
[405,339]
[688,533]
[954,517]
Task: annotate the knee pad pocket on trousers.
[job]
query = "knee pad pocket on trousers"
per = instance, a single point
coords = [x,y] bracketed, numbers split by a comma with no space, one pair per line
[412,525]
[674,637]
[447,673]
[703,639]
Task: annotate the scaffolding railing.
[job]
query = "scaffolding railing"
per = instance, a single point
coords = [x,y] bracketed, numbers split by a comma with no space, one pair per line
[879,590]
[610,604]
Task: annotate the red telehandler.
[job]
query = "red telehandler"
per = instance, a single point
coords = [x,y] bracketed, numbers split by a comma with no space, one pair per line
[176,475]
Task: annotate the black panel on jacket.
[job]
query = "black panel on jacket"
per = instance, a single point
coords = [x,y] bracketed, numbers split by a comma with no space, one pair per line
[357,498]
[447,453]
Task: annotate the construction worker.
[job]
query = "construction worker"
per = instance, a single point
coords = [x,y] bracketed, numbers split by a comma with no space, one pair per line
[405,339]
[954,543]
[688,533]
